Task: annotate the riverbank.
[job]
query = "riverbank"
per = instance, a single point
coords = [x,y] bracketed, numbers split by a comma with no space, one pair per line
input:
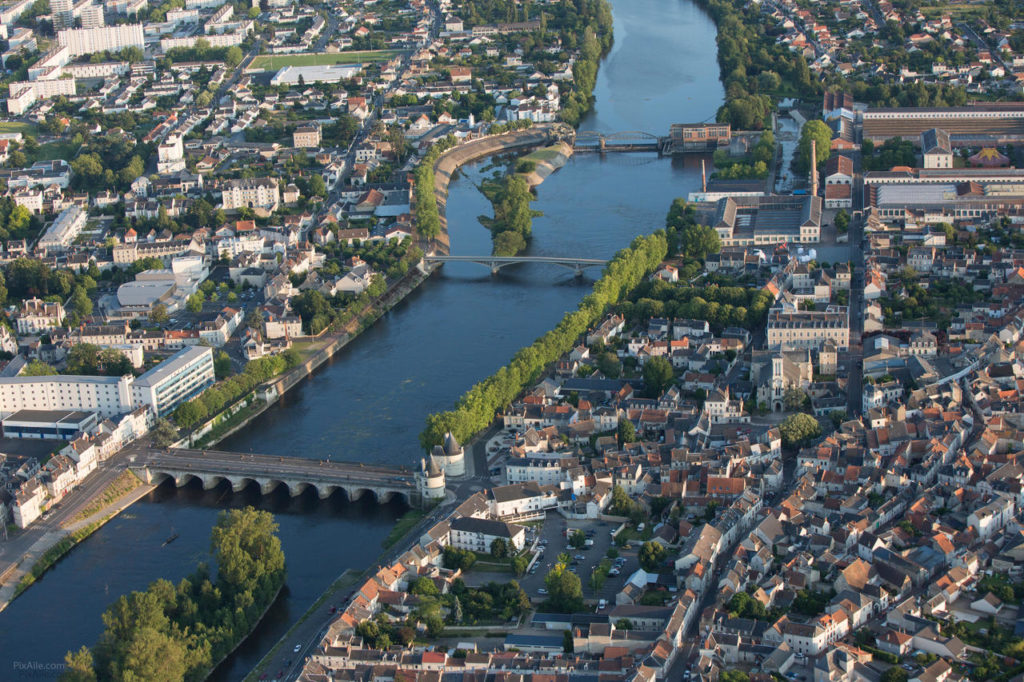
[53,546]
[450,162]
[244,411]
[543,162]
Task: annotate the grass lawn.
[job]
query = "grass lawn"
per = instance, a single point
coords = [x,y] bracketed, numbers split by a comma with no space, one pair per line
[17,127]
[403,526]
[545,154]
[57,150]
[274,62]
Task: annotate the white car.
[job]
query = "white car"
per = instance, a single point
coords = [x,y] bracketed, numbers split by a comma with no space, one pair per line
[298,648]
[542,591]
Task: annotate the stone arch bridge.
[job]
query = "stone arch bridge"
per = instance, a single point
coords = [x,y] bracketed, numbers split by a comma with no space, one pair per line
[241,470]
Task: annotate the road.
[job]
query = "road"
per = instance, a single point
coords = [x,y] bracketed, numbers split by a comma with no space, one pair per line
[855,358]
[308,634]
[247,464]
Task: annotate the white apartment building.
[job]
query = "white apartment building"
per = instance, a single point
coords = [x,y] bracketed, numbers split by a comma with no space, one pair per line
[477,535]
[177,379]
[63,13]
[26,93]
[63,230]
[89,40]
[181,377]
[107,396]
[92,16]
[251,193]
[170,155]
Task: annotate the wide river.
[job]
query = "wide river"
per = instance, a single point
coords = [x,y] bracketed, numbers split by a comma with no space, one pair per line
[369,403]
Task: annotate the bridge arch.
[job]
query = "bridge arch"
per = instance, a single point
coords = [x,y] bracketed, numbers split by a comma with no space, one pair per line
[269,485]
[238,484]
[184,478]
[386,496]
[355,494]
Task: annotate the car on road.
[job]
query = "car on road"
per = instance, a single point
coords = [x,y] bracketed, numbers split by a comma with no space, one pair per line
[542,591]
[298,648]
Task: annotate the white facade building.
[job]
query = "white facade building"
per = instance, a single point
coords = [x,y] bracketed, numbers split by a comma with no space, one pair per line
[113,38]
[63,230]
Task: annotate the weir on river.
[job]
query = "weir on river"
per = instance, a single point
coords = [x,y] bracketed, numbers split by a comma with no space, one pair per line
[370,401]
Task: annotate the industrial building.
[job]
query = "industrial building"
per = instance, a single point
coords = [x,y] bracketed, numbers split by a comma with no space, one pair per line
[749,220]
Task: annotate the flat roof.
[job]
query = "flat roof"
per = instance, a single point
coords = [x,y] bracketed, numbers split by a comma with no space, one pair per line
[172,364]
[48,416]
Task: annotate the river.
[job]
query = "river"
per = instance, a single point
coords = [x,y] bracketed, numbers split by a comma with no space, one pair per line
[370,401]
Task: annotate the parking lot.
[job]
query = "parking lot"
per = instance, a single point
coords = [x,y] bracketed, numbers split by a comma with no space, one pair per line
[552,538]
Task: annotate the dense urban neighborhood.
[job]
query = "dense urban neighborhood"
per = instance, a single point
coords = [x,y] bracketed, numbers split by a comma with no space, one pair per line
[778,438]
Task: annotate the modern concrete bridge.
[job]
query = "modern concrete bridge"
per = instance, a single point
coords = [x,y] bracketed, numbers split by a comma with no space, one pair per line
[495,263]
[213,467]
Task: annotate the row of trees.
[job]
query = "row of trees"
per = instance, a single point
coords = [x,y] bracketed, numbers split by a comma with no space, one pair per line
[428,218]
[511,226]
[223,393]
[479,405]
[170,632]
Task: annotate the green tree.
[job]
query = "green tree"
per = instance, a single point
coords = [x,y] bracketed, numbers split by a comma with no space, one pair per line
[38,368]
[317,186]
[568,645]
[577,539]
[652,556]
[799,429]
[658,375]
[424,587]
[608,364]
[626,432]
[499,548]
[163,433]
[153,656]
[78,666]
[623,624]
[894,674]
[565,592]
[794,398]
[699,241]
[621,504]
[114,362]
[842,221]
[222,365]
[519,565]
[83,358]
[194,303]
[822,135]
[233,56]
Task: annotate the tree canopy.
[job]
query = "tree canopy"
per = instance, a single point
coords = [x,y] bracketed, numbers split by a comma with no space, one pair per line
[170,632]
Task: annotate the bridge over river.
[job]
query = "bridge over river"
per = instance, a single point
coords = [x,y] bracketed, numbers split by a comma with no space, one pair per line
[213,467]
[495,263]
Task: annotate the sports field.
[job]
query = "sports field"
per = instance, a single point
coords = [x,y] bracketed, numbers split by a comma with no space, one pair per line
[279,61]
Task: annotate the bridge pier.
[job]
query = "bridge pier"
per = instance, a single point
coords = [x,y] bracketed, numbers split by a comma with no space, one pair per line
[267,487]
[238,484]
[182,480]
[325,491]
[296,489]
[209,482]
